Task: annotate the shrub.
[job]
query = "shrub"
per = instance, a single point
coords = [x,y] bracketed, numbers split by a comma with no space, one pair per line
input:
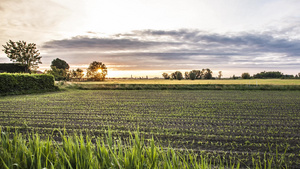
[246,76]
[192,75]
[265,74]
[177,75]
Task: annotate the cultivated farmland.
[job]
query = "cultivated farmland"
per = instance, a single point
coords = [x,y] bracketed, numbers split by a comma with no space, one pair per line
[237,125]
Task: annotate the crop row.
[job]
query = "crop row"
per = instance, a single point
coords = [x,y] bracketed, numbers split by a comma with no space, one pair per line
[243,122]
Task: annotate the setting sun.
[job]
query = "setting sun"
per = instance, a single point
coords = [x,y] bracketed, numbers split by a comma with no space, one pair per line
[99,70]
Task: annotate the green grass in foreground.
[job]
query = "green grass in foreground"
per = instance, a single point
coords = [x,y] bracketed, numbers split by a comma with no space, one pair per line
[81,153]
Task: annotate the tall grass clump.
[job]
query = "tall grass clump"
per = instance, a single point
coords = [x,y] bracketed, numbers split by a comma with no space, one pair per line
[83,152]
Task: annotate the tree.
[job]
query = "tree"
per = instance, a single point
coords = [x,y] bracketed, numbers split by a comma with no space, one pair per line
[59,74]
[186,75]
[59,69]
[220,74]
[265,74]
[60,64]
[246,76]
[177,75]
[97,71]
[77,74]
[234,77]
[166,76]
[198,74]
[207,73]
[23,53]
[202,73]
[192,75]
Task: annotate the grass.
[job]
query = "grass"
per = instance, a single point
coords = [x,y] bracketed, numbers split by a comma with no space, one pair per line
[79,152]
[82,152]
[161,84]
[190,82]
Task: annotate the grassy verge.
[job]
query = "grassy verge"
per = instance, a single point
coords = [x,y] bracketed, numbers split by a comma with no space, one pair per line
[97,86]
[202,81]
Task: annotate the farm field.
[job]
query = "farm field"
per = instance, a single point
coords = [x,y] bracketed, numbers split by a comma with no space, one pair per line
[238,125]
[223,81]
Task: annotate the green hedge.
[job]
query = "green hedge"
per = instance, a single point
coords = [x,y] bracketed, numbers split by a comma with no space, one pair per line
[13,67]
[14,83]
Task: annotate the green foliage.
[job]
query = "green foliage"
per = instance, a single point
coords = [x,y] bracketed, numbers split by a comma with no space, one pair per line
[23,53]
[60,64]
[97,71]
[59,69]
[13,68]
[265,74]
[220,75]
[79,152]
[234,77]
[166,76]
[246,76]
[177,75]
[76,74]
[25,83]
[198,74]
[110,152]
[207,73]
[59,74]
[192,75]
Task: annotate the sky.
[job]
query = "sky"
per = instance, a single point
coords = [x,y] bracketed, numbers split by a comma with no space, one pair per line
[148,37]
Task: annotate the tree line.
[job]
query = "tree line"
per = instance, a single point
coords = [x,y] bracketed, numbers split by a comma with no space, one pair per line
[96,71]
[27,55]
[269,75]
[192,75]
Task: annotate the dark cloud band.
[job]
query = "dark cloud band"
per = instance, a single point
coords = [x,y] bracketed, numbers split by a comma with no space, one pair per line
[164,48]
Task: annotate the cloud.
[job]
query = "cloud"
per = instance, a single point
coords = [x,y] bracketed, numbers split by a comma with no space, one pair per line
[168,49]
[82,42]
[257,42]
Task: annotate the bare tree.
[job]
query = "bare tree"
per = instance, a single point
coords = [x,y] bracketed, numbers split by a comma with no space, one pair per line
[220,74]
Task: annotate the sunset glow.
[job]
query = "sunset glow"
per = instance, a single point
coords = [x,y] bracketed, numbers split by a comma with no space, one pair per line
[99,71]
